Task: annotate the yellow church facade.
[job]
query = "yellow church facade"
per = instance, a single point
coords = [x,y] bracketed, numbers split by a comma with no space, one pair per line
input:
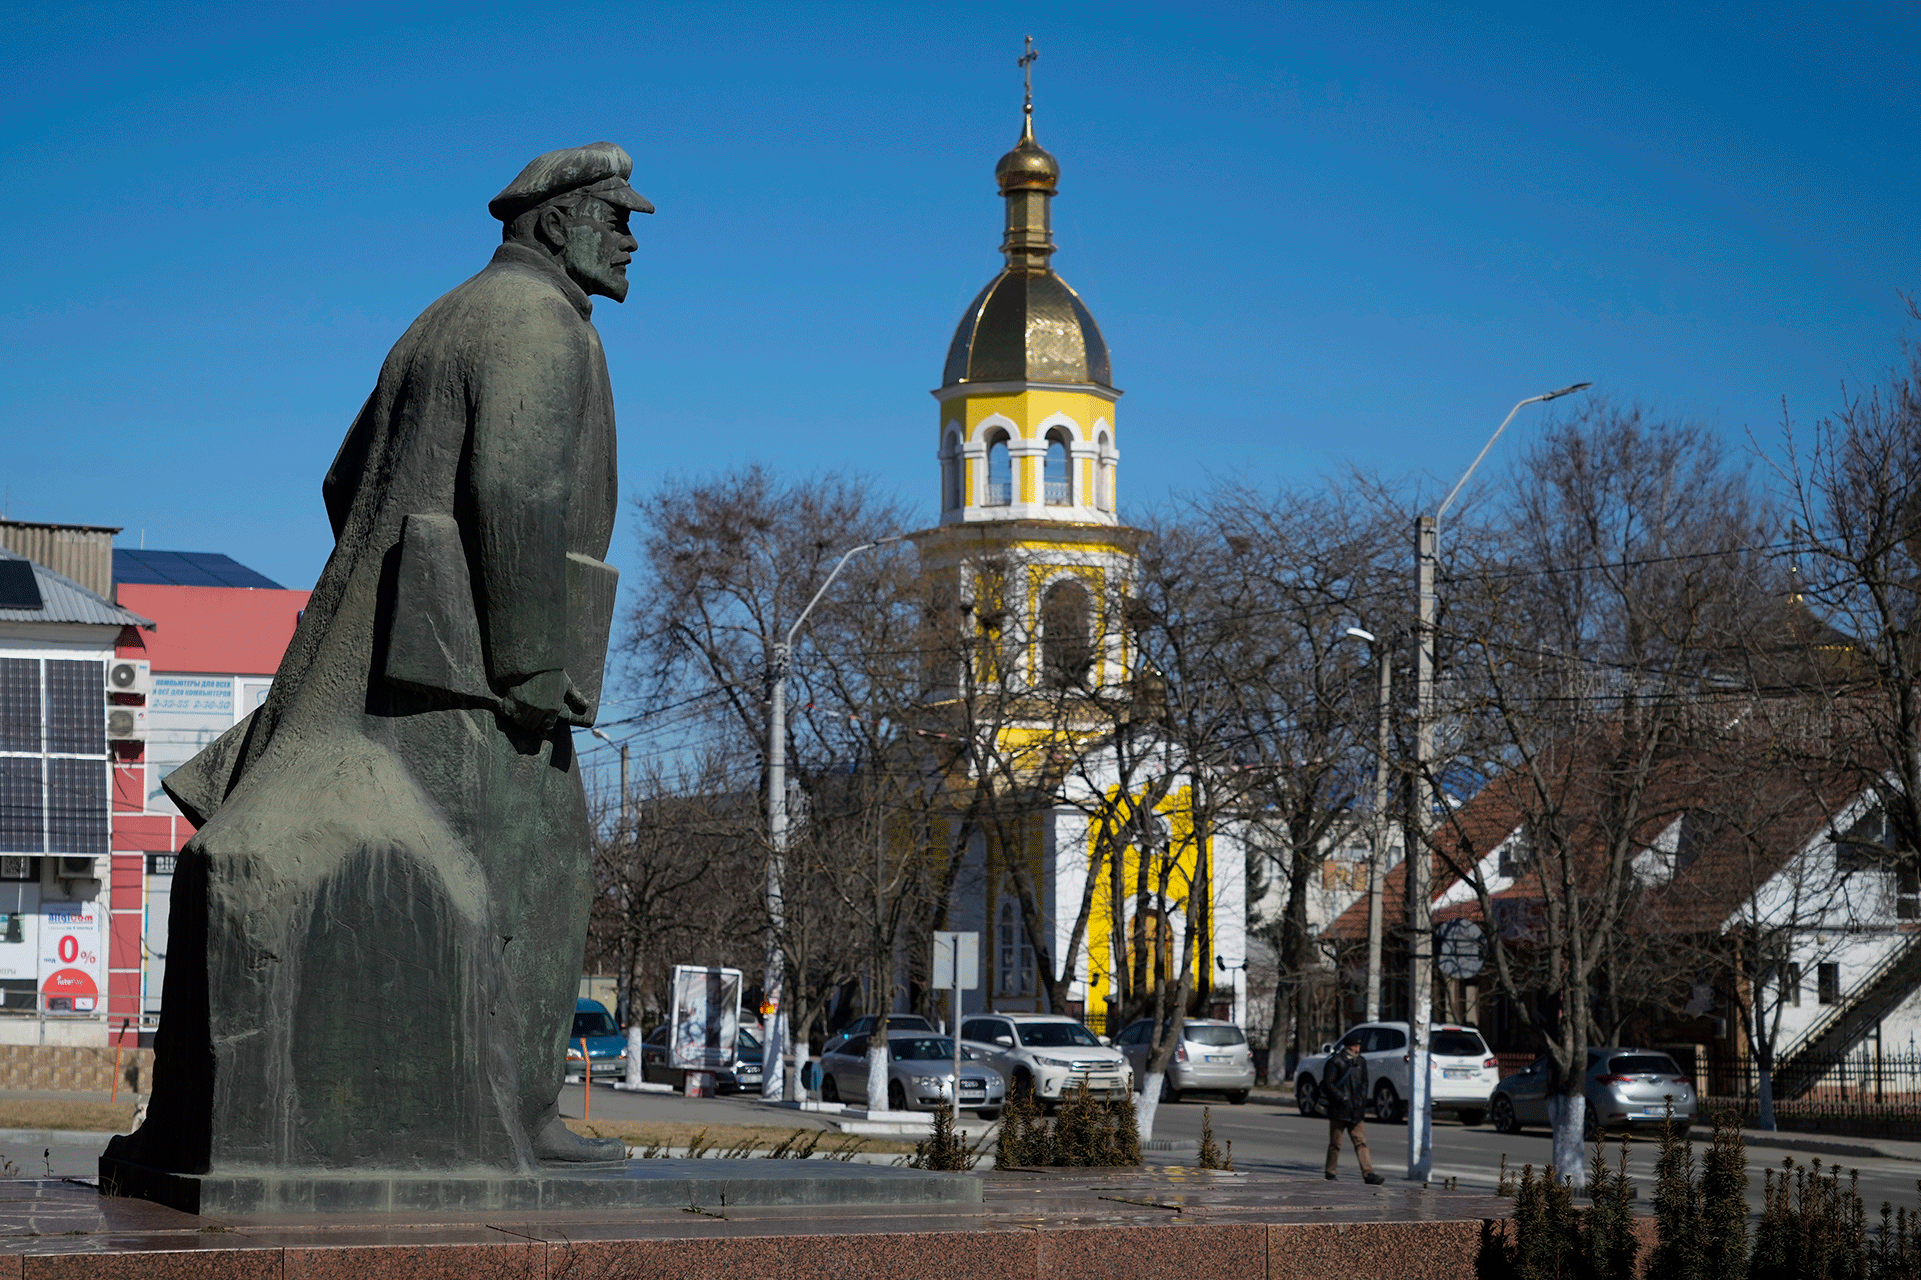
[1094,864]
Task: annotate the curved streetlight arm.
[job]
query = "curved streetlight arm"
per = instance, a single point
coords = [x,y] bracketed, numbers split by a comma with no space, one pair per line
[1459,484]
[851,553]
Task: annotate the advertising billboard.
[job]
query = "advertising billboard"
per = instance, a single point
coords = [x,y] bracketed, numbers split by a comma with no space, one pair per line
[72,937]
[706,1022]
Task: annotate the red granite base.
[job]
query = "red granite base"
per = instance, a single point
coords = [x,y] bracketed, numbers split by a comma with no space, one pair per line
[1056,1224]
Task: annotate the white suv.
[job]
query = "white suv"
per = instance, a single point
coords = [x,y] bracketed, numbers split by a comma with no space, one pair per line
[1047,1052]
[1461,1071]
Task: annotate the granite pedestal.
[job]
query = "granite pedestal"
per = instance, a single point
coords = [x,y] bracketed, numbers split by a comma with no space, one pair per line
[1120,1224]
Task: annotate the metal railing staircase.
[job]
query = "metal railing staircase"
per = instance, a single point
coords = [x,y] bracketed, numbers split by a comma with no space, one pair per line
[1799,1066]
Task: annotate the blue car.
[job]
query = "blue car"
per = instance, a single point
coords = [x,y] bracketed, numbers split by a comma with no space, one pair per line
[606,1043]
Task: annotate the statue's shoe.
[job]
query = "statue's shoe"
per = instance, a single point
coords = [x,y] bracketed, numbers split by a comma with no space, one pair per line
[559,1143]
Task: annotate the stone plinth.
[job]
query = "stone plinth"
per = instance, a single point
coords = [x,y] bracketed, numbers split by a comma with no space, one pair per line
[1031,1224]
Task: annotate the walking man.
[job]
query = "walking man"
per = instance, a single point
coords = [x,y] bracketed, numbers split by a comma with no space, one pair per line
[1344,1085]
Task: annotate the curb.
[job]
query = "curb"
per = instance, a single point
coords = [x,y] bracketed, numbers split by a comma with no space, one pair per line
[1817,1144]
[56,1137]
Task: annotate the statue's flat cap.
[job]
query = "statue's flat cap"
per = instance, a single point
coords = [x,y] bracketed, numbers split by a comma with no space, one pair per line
[599,169]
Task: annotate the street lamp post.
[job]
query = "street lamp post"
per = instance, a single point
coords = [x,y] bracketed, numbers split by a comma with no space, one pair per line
[1420,868]
[1377,864]
[773,1078]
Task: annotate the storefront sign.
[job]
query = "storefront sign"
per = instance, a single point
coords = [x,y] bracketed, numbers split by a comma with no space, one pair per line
[196,695]
[20,932]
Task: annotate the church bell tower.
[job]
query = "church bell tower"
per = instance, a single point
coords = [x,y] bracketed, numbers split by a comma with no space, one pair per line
[1029,546]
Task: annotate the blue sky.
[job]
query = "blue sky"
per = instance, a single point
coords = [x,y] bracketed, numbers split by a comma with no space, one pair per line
[1314,235]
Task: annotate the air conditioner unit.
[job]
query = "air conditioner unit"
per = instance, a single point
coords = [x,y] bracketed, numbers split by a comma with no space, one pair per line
[129,675]
[76,868]
[126,724]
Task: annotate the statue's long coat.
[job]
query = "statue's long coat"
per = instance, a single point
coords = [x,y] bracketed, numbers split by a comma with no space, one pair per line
[377,929]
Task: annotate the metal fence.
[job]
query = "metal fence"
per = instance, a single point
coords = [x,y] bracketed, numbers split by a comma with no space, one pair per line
[1865,1094]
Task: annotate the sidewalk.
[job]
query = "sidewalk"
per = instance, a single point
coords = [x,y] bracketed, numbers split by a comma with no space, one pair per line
[1821,1144]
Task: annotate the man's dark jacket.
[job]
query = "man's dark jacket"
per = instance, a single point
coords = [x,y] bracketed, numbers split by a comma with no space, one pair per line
[1344,1086]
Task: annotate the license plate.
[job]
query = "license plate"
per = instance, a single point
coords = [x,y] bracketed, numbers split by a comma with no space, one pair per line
[1654,1111]
[1458,1073]
[1220,1057]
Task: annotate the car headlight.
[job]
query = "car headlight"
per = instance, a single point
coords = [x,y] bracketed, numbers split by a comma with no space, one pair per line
[1052,1062]
[573,1052]
[935,1084]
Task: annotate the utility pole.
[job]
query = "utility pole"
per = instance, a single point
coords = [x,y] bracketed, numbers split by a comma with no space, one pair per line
[773,1077]
[625,999]
[1420,865]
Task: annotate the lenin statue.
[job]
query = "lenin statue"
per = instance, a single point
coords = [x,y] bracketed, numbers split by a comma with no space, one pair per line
[378,926]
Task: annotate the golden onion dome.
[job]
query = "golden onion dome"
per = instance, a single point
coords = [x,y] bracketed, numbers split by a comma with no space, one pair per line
[1028,167]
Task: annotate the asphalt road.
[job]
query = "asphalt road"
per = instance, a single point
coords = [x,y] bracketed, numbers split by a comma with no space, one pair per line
[78,1158]
[1276,1138]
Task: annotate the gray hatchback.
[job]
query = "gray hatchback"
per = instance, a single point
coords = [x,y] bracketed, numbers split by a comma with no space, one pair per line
[1625,1088]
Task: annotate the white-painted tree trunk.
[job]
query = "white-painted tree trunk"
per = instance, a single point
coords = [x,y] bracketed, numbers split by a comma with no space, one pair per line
[797,1081]
[635,1038]
[1146,1105]
[1567,1113]
[877,1075]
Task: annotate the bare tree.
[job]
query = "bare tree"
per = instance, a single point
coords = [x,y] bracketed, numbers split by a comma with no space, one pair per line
[1854,487]
[1581,632]
[730,563]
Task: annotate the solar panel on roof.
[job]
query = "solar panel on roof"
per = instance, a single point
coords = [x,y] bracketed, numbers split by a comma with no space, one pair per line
[18,589]
[186,569]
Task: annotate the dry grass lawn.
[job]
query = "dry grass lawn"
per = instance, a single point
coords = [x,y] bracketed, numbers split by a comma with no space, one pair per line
[61,1113]
[725,1139]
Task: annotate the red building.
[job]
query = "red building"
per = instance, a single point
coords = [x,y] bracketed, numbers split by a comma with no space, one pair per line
[220,630]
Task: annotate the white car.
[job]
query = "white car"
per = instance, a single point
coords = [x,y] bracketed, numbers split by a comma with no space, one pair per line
[1461,1071]
[1046,1052]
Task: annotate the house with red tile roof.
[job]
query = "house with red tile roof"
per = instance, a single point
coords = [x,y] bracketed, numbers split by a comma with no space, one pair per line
[1750,887]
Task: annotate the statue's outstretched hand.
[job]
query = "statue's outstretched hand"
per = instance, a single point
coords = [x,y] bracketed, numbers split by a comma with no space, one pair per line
[541,699]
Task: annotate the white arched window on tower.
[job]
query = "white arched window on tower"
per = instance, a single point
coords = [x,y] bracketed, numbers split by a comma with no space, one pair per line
[953,492]
[1103,475]
[1000,471]
[1058,476]
[1014,963]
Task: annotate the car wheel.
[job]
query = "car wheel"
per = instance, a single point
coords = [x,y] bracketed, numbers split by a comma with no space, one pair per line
[896,1096]
[1168,1092]
[1502,1113]
[1472,1116]
[1023,1082]
[829,1091]
[1307,1096]
[1387,1103]
[1590,1127]
[1237,1097]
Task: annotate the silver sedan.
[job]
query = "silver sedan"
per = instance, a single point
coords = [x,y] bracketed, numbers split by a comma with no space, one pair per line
[920,1075]
[1626,1088]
